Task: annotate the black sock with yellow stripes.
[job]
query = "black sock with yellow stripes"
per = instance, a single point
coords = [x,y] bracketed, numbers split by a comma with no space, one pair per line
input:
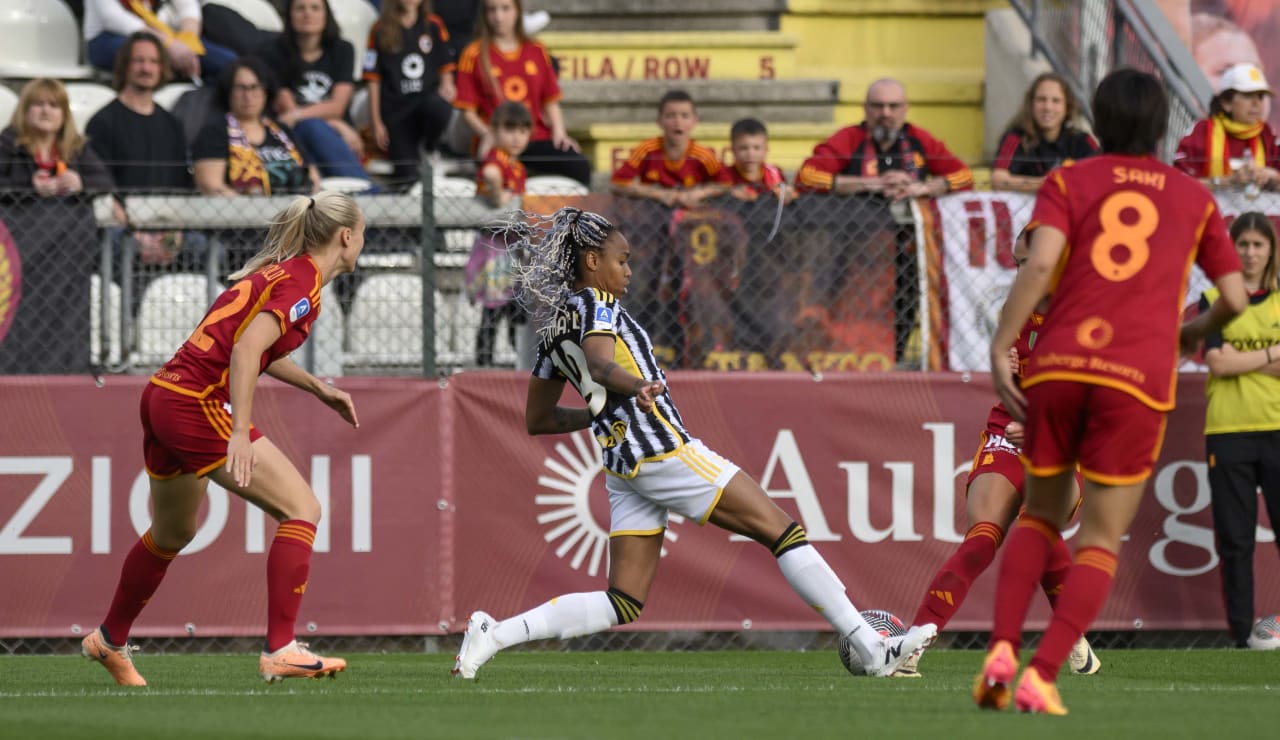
[792,537]
[625,606]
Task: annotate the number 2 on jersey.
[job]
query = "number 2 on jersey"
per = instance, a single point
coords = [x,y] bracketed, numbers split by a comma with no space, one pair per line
[1131,236]
[203,341]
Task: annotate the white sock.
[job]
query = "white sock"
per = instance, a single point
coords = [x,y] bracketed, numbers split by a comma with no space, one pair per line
[571,615]
[815,582]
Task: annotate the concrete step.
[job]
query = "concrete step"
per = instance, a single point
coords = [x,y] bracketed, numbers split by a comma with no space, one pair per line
[661,15]
[673,55]
[724,101]
[608,144]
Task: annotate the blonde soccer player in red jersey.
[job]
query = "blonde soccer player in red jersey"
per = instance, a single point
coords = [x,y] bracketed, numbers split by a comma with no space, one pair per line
[993,494]
[1098,388]
[190,433]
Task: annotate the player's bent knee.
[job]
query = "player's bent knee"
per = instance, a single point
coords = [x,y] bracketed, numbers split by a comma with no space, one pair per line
[625,607]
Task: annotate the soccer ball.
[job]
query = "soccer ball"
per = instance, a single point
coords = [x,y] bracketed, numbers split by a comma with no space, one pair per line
[1266,634]
[881,621]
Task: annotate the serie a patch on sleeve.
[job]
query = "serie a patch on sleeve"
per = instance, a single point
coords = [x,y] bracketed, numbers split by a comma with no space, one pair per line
[300,309]
[604,316]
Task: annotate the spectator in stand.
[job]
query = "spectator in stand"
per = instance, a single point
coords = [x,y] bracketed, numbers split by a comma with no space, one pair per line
[1041,136]
[886,157]
[46,177]
[672,169]
[884,154]
[1234,146]
[460,18]
[314,64]
[489,277]
[142,146]
[245,152]
[1242,419]
[503,63]
[107,23]
[750,176]
[409,68]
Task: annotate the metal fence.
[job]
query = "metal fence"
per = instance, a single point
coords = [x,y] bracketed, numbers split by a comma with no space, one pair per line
[835,288]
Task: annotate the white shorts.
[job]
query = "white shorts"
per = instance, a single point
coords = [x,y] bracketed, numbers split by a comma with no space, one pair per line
[689,482]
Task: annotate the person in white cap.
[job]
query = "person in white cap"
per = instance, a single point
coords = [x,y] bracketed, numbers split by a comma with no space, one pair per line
[1234,146]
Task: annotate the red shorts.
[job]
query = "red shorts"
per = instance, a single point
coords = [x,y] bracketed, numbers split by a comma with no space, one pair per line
[996,455]
[183,434]
[1113,436]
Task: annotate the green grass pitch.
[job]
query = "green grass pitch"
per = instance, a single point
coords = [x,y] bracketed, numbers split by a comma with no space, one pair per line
[1138,694]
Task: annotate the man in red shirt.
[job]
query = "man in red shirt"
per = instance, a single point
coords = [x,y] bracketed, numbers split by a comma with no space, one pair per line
[884,154]
[672,169]
[1098,388]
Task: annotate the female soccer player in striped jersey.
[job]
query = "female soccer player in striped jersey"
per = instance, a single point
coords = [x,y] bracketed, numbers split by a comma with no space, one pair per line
[574,269]
[190,433]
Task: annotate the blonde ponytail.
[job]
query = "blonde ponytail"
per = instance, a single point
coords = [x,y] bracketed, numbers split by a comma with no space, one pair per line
[310,221]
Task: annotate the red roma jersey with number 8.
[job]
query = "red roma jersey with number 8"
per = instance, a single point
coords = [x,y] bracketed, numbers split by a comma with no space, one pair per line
[289,290]
[1134,226]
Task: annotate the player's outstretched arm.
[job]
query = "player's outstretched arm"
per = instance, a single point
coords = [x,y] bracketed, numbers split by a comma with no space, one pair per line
[543,415]
[288,371]
[1031,285]
[246,358]
[1232,299]
[608,373]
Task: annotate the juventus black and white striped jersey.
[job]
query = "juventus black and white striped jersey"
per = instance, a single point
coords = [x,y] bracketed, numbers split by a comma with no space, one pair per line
[628,436]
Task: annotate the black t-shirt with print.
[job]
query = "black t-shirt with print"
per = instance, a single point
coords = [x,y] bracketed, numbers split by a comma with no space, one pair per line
[406,77]
[311,82]
[285,174]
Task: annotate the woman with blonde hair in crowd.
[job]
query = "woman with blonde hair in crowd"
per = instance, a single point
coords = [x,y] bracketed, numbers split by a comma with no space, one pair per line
[46,177]
[1242,418]
[196,423]
[503,64]
[1041,136]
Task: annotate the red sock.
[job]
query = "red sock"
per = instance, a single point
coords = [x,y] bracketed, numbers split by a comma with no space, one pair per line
[1082,598]
[952,581]
[1055,573]
[144,567]
[1031,540]
[288,564]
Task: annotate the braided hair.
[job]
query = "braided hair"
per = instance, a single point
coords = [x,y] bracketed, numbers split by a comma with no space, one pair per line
[547,251]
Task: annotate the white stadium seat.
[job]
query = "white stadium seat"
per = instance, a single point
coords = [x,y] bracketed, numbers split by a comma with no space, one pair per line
[344,184]
[114,332]
[554,185]
[355,18]
[8,104]
[172,307]
[385,326]
[39,38]
[86,99]
[260,13]
[167,96]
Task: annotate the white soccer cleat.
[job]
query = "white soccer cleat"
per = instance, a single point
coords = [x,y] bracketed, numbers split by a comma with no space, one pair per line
[910,667]
[892,652]
[1082,660]
[478,645]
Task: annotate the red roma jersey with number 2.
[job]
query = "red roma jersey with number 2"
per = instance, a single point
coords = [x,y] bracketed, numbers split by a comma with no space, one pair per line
[289,290]
[1134,227]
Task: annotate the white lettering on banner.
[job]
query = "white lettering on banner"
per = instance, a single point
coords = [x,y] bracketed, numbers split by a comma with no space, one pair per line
[945,472]
[786,454]
[902,517]
[55,471]
[1177,532]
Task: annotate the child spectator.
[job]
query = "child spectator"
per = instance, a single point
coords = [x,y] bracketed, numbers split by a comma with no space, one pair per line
[750,176]
[489,275]
[501,176]
[410,70]
[673,169]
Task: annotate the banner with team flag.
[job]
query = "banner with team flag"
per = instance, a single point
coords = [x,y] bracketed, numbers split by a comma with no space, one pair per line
[440,504]
[967,242]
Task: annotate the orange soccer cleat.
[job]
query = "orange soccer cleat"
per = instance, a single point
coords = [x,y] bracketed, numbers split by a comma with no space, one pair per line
[1037,696]
[296,661]
[117,660]
[991,687]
